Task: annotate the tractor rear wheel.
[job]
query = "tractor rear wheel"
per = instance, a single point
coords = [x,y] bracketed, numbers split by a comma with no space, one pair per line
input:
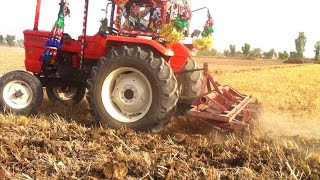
[65,94]
[134,88]
[21,93]
[190,82]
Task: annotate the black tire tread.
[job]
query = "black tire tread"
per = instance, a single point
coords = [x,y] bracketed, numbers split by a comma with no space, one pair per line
[190,82]
[168,82]
[80,94]
[33,82]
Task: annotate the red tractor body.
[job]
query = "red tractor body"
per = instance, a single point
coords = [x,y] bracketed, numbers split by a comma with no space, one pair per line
[96,47]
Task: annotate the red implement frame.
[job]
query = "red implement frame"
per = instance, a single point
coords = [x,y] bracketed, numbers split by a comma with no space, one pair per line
[223,107]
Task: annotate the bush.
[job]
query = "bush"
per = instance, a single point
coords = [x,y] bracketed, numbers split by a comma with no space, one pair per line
[294,61]
[255,53]
[283,56]
[1,40]
[211,52]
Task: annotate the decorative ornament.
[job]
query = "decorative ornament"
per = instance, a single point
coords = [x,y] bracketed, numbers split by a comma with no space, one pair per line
[203,43]
[123,11]
[155,19]
[170,33]
[124,1]
[206,41]
[208,27]
[104,26]
[173,32]
[53,43]
[182,20]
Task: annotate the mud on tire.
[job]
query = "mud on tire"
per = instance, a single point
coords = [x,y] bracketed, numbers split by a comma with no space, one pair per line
[153,73]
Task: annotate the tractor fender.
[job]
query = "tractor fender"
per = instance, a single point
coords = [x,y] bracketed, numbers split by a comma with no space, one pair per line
[181,56]
[177,55]
[121,40]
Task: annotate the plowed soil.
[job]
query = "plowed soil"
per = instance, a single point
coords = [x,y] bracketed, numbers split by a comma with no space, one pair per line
[63,142]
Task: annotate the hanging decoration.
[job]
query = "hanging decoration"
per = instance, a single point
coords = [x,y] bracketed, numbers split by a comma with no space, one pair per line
[208,27]
[155,23]
[123,12]
[103,26]
[182,21]
[206,41]
[170,33]
[53,43]
[203,43]
[173,32]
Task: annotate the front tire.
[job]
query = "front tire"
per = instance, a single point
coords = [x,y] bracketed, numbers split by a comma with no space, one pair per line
[133,88]
[20,93]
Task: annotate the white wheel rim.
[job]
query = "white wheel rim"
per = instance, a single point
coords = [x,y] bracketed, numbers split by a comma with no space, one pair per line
[64,93]
[17,94]
[126,94]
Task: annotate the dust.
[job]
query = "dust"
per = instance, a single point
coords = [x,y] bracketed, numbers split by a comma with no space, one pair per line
[290,124]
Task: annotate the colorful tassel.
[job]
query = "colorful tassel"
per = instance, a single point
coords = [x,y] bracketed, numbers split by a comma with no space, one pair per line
[170,34]
[53,43]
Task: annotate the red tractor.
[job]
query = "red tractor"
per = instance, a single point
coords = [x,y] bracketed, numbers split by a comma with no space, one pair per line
[134,78]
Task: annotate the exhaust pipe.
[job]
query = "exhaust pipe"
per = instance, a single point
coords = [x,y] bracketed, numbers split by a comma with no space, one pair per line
[37,16]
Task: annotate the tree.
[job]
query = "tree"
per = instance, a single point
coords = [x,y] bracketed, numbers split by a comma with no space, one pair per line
[317,51]
[1,39]
[300,44]
[239,54]
[232,50]
[270,54]
[246,49]
[256,53]
[283,56]
[293,55]
[20,43]
[10,40]
[226,53]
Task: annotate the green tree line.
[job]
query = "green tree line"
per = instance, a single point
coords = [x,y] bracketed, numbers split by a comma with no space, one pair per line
[248,52]
[10,40]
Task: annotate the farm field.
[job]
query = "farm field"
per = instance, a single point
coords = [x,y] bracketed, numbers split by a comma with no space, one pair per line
[63,142]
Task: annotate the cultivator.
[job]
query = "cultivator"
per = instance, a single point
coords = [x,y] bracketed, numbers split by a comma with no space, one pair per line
[224,108]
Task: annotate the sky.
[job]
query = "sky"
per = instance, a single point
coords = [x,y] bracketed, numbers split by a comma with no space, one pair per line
[263,24]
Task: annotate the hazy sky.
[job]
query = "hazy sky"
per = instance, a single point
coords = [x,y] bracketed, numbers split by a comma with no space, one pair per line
[264,24]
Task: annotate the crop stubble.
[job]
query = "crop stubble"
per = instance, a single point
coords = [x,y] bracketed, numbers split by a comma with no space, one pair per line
[63,142]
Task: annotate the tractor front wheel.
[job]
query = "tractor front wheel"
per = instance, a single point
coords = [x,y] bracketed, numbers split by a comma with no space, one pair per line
[132,87]
[21,93]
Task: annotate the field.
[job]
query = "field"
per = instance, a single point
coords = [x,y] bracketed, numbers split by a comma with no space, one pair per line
[63,142]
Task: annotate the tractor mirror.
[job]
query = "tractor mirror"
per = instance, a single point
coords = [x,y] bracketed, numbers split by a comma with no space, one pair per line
[196,33]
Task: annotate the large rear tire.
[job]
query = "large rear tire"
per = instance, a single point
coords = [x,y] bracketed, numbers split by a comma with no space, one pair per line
[65,94]
[20,93]
[190,82]
[134,88]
